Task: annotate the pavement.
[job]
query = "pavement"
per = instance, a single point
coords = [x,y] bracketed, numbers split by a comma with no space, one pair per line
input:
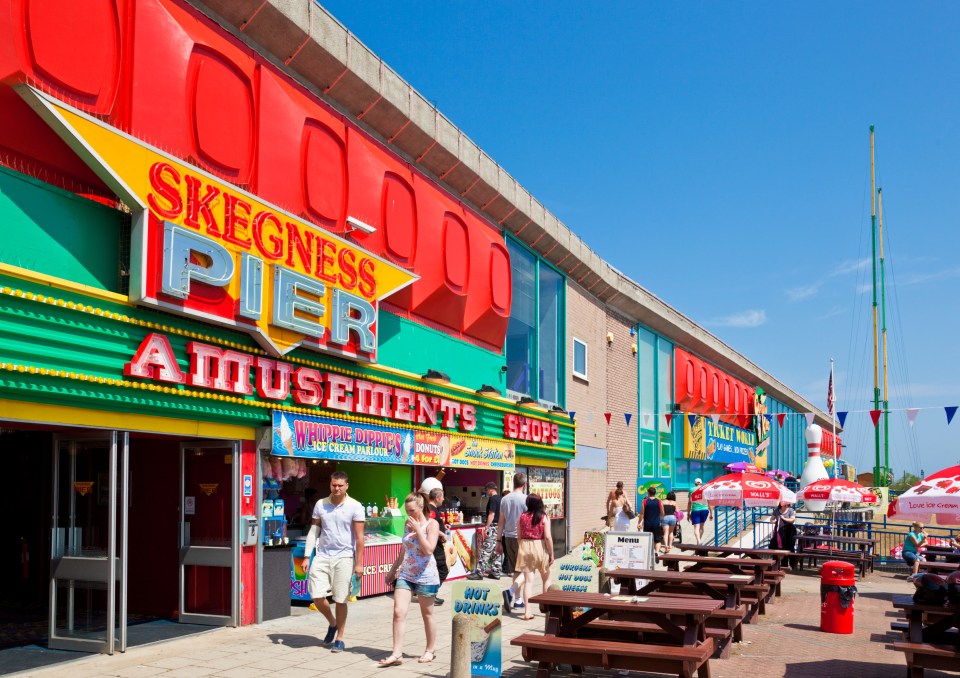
[785,642]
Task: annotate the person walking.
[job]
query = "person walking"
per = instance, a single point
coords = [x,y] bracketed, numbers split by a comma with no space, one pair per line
[784,535]
[651,516]
[698,513]
[669,520]
[612,498]
[535,550]
[511,508]
[622,512]
[415,572]
[440,552]
[336,534]
[489,562]
[916,538]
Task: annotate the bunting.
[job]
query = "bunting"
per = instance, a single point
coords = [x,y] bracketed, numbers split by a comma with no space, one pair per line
[627,416]
[647,419]
[842,417]
[780,418]
[875,416]
[669,418]
[809,417]
[573,415]
[692,418]
[714,418]
[951,410]
[912,415]
[607,415]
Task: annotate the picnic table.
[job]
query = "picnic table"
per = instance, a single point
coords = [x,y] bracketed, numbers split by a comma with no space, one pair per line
[937,567]
[755,594]
[723,625]
[723,551]
[931,636]
[948,553]
[857,550]
[684,650]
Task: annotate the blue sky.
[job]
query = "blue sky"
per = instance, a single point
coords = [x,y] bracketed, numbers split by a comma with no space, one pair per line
[718,154]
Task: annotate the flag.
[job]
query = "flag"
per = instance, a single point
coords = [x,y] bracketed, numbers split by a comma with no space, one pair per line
[830,391]
[627,416]
[912,414]
[842,417]
[875,416]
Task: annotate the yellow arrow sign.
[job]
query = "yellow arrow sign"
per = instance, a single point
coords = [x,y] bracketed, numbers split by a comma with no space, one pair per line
[206,248]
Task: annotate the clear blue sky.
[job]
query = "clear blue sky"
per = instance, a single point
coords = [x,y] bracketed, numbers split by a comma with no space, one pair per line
[718,154]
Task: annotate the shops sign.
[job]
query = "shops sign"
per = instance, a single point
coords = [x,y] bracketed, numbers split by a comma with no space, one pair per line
[204,248]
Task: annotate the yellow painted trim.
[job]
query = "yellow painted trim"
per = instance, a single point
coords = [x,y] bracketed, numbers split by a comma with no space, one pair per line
[65,285]
[536,461]
[78,416]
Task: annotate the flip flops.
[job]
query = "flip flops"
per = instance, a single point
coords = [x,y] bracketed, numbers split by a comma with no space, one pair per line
[424,660]
[392,660]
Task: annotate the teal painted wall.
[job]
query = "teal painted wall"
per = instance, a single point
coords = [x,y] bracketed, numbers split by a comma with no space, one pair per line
[50,231]
[409,346]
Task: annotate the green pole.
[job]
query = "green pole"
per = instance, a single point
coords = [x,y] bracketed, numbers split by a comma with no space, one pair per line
[879,477]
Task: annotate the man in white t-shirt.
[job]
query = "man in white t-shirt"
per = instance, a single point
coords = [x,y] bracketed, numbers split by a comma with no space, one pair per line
[336,532]
[511,508]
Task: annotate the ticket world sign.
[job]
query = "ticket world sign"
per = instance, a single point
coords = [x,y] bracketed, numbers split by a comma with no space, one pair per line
[204,248]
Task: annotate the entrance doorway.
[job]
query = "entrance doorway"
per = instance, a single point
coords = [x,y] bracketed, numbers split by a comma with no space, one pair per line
[121,539]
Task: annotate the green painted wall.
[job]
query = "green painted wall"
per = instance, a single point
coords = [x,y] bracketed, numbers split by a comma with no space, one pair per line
[370,482]
[50,231]
[415,348]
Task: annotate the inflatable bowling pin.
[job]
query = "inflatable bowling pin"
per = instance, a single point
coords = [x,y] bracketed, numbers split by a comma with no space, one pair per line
[814,469]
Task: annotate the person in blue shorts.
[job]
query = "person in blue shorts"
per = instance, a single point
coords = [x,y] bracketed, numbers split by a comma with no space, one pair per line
[698,513]
[911,546]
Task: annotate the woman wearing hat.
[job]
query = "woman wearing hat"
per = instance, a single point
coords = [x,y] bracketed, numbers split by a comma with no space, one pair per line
[698,513]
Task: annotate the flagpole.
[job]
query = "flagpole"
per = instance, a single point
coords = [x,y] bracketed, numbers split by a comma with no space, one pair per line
[831,396]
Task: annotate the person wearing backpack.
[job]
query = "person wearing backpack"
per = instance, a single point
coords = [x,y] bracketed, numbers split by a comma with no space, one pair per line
[651,516]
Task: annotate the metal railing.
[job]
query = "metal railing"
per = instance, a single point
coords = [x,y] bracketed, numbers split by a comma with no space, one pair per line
[731,522]
[888,536]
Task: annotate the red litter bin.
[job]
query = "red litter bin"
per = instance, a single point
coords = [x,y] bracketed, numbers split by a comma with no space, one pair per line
[837,591]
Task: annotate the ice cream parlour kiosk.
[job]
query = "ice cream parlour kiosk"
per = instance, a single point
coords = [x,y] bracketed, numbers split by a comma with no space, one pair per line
[384,463]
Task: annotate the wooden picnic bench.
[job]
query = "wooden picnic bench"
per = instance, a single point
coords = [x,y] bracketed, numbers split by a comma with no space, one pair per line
[831,548]
[683,646]
[719,586]
[938,567]
[774,576]
[948,553]
[755,594]
[931,636]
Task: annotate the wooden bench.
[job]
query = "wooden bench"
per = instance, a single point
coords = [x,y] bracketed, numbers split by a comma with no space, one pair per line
[855,557]
[548,650]
[922,656]
[723,618]
[640,632]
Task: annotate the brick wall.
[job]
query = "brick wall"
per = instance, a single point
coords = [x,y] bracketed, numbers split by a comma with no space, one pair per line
[588,491]
[586,320]
[621,397]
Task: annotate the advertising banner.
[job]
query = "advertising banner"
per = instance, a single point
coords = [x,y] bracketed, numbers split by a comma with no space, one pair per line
[298,435]
[552,494]
[435,448]
[483,604]
[719,442]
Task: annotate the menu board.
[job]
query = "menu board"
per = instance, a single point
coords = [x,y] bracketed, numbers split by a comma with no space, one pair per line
[633,550]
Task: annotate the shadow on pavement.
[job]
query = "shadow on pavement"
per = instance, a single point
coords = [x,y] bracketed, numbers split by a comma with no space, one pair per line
[803,627]
[844,667]
[295,640]
[876,595]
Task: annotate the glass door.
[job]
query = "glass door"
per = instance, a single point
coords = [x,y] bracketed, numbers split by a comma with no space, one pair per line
[88,544]
[209,531]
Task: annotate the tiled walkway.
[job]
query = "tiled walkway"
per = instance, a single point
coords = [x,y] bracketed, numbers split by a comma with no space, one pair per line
[785,642]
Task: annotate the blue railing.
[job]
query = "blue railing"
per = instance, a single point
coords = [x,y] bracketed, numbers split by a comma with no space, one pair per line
[888,536]
[731,522]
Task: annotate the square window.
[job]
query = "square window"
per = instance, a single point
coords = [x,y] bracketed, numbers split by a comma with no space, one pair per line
[579,359]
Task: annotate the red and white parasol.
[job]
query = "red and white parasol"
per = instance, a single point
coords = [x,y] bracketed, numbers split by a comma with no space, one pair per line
[937,495]
[837,489]
[736,489]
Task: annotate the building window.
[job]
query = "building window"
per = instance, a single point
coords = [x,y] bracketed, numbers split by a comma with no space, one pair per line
[534,346]
[579,359]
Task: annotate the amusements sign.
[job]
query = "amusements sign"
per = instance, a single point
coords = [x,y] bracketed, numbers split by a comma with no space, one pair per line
[482,604]
[719,442]
[297,435]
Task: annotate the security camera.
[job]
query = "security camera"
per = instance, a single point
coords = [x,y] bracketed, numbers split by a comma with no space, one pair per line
[354,224]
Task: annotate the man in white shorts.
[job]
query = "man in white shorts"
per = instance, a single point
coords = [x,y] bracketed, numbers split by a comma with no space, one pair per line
[336,532]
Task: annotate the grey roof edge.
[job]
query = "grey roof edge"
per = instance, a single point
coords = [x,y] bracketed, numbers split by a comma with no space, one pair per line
[282,30]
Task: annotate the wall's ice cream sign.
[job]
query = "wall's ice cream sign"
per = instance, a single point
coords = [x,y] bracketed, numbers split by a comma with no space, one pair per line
[206,248]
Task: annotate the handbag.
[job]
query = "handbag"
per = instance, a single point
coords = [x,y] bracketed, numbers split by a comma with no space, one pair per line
[628,512]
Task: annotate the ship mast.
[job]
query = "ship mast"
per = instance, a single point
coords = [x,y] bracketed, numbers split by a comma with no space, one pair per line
[879,475]
[883,330]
